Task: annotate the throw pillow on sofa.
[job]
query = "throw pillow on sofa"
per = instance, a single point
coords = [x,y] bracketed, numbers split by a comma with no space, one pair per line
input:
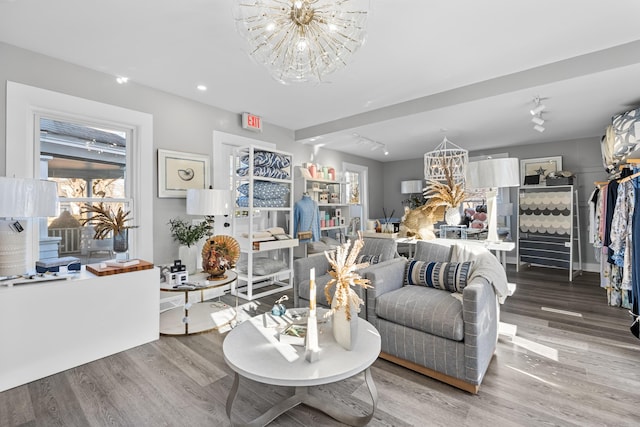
[371,259]
[448,276]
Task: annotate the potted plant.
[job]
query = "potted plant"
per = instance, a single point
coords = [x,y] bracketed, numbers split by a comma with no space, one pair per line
[106,222]
[188,235]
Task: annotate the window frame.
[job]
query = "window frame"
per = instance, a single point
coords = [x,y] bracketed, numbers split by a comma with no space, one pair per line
[25,104]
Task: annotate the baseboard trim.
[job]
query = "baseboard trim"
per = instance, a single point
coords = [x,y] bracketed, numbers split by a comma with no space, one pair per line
[456,382]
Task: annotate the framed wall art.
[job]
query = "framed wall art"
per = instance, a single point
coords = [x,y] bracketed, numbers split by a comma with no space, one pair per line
[540,168]
[178,172]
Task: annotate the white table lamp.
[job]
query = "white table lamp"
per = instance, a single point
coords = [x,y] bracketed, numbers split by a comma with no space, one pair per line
[208,202]
[489,175]
[21,198]
[411,187]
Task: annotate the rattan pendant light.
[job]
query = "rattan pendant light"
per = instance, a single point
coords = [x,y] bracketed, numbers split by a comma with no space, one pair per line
[447,157]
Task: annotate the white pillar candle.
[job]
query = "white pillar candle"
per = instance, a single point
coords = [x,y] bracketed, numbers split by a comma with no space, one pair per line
[312,348]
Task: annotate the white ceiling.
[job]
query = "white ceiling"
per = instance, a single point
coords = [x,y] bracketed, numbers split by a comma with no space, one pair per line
[470,67]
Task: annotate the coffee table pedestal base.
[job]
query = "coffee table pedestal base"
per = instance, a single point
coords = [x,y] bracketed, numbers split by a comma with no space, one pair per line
[302,396]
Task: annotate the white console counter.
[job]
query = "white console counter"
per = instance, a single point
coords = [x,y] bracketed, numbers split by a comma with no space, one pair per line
[48,327]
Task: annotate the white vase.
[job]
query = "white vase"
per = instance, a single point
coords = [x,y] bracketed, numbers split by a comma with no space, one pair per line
[345,331]
[452,216]
[189,257]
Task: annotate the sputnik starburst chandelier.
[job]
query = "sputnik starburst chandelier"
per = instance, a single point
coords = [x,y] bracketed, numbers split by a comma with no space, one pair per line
[302,40]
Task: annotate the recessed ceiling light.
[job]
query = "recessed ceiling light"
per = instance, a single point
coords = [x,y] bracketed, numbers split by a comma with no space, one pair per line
[201,88]
[122,80]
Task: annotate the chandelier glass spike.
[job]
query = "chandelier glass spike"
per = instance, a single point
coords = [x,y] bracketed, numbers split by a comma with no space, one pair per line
[302,40]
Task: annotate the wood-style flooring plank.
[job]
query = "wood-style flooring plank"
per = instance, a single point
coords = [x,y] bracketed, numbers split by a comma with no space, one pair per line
[559,370]
[15,407]
[55,402]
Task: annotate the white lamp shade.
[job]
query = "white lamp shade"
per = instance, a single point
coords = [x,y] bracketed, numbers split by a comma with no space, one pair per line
[208,202]
[410,187]
[493,173]
[27,198]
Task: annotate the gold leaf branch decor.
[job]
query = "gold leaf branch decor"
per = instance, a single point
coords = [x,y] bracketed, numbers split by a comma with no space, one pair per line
[449,193]
[104,220]
[344,275]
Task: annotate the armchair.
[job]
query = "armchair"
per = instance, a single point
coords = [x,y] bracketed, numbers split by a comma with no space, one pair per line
[434,331]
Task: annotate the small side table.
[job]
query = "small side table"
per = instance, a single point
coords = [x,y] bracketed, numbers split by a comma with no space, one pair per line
[195,318]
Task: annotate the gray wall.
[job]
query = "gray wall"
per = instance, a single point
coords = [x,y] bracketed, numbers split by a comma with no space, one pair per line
[178,124]
[581,156]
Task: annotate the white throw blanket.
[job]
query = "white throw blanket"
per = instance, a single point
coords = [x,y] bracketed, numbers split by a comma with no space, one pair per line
[485,265]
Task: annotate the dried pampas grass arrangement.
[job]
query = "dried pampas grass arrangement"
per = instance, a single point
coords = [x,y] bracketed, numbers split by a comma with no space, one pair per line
[449,193]
[344,275]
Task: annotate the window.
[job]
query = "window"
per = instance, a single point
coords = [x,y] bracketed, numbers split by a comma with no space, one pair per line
[26,104]
[356,188]
[89,165]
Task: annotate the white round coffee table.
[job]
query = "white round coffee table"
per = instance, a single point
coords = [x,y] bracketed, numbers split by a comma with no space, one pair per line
[254,352]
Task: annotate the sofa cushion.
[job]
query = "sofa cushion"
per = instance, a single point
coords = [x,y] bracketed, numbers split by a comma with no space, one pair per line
[385,248]
[432,251]
[371,259]
[425,309]
[321,281]
[448,276]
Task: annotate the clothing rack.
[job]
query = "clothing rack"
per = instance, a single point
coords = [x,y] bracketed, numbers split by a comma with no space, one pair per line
[632,176]
[628,162]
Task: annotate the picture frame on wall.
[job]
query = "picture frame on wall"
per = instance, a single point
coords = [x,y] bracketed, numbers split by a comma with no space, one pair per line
[540,167]
[178,172]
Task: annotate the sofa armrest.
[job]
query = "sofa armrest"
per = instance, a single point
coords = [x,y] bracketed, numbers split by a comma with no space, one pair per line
[480,314]
[384,277]
[301,268]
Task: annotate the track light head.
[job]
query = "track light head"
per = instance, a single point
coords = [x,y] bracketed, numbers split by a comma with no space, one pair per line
[538,120]
[539,128]
[538,109]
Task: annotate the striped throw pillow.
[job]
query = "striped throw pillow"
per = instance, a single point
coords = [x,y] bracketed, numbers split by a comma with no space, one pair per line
[448,276]
[371,259]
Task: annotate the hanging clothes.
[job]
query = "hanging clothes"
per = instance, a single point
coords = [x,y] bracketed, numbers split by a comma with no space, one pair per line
[616,226]
[635,253]
[593,202]
[306,217]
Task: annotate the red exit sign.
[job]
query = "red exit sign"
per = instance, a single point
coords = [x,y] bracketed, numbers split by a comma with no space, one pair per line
[252,122]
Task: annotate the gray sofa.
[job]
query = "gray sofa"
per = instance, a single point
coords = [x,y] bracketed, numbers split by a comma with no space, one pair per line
[433,331]
[386,249]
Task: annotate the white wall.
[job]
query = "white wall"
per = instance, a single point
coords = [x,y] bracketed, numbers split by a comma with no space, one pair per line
[581,156]
[178,124]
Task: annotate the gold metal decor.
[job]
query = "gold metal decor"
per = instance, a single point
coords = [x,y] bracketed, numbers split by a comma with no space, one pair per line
[219,254]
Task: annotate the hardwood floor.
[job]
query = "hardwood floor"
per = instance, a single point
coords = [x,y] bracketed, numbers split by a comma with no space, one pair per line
[573,362]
